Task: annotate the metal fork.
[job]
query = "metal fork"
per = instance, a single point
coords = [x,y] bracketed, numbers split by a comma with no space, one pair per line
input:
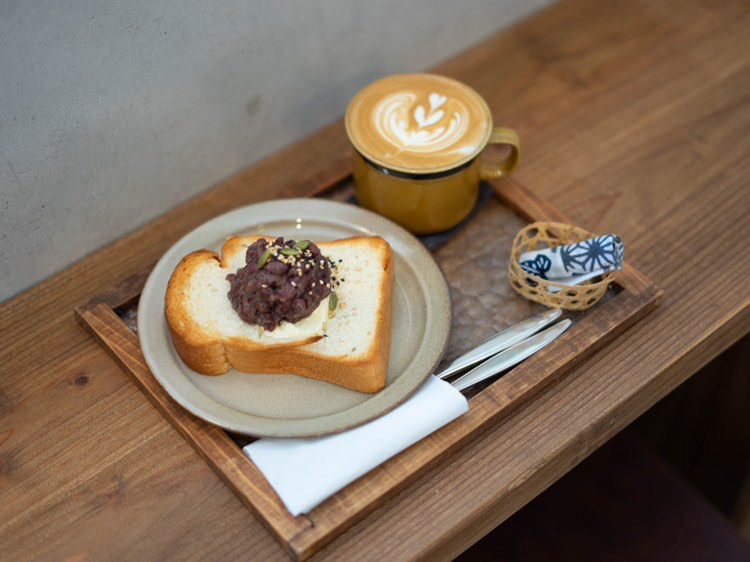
[499,342]
[511,356]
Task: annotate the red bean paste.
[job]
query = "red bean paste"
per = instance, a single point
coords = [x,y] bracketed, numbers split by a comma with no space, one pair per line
[282,280]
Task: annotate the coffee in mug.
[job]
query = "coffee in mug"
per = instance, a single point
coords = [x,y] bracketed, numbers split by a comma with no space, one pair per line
[418,139]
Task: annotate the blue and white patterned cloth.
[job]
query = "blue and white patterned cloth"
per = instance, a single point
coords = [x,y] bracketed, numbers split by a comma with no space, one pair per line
[575,263]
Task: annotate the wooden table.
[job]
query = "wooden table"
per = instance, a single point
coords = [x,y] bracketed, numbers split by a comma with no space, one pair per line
[635,119]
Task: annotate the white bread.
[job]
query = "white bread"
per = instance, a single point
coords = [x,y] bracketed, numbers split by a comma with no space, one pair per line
[353,352]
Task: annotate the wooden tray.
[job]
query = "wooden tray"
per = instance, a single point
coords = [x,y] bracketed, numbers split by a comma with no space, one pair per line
[483,303]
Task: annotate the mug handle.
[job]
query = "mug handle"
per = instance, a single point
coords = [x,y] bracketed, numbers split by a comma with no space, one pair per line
[494,170]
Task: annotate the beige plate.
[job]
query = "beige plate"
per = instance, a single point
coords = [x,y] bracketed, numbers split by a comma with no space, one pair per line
[289,405]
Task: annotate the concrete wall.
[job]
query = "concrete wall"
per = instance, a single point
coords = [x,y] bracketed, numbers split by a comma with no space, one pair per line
[112,113]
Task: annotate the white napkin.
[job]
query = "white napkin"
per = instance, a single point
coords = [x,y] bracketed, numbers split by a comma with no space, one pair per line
[304,472]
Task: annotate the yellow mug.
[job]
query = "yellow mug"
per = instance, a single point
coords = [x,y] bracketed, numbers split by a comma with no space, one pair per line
[418,140]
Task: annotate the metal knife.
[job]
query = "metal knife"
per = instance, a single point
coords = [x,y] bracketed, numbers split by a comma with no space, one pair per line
[511,356]
[500,341]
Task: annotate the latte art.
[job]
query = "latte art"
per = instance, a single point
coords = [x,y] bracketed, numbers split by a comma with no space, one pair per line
[408,125]
[418,123]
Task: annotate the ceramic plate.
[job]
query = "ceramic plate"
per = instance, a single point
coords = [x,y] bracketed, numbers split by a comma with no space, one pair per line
[289,405]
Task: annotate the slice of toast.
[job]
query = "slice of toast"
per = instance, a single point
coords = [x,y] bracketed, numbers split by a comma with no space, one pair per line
[350,349]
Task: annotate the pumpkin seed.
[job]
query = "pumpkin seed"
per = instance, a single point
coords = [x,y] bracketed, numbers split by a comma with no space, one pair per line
[264,258]
[289,251]
[333,301]
[302,244]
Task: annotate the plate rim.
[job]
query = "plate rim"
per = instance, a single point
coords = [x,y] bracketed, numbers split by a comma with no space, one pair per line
[371,223]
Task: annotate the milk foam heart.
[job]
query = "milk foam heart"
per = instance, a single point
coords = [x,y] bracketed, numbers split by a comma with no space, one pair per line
[427,132]
[418,123]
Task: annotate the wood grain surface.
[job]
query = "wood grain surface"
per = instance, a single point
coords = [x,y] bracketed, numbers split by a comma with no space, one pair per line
[623,503]
[634,118]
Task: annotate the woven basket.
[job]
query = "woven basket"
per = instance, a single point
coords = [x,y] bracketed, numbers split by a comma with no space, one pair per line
[541,235]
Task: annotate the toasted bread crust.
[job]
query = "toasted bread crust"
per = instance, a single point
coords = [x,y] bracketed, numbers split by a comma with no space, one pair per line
[209,355]
[197,349]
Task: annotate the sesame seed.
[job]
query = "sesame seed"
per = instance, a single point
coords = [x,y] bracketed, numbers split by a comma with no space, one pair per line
[328,285]
[309,292]
[320,281]
[294,284]
[264,285]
